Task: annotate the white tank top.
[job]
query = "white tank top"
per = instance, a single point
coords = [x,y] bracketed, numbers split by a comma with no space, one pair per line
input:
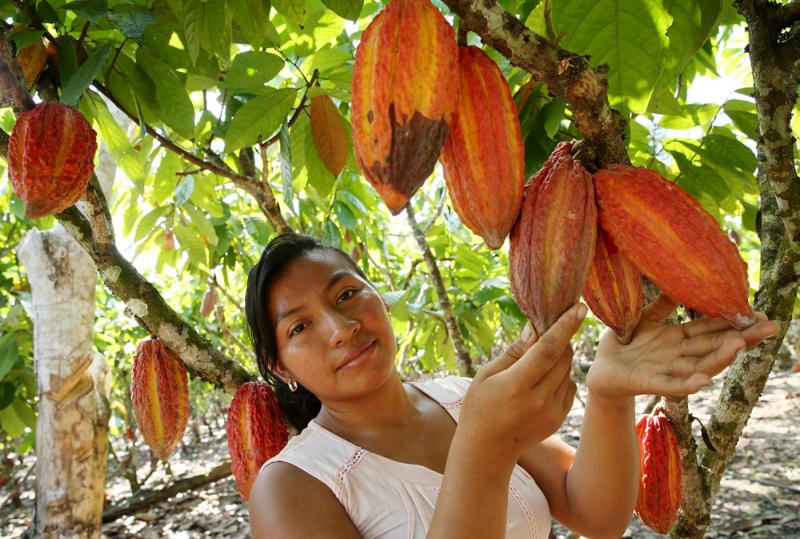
[389,499]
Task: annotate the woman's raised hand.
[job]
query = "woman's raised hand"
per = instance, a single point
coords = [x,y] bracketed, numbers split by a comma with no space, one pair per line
[523,396]
[675,360]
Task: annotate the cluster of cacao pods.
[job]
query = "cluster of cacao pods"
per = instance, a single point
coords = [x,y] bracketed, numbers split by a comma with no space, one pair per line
[50,158]
[596,235]
[160,396]
[417,97]
[660,472]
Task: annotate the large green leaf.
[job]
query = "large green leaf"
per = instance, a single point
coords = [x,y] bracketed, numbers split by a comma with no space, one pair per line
[629,36]
[83,77]
[252,69]
[132,162]
[206,25]
[132,21]
[693,22]
[348,9]
[177,110]
[293,10]
[259,118]
[252,16]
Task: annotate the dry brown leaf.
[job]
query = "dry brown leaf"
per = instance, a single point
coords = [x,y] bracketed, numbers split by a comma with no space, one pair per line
[329,133]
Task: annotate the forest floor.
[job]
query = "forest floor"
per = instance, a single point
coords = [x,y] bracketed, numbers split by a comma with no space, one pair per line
[759,497]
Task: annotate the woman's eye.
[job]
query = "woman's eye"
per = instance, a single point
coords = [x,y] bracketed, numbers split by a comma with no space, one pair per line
[297,329]
[347,294]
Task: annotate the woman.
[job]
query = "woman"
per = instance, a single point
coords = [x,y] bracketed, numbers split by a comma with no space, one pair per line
[453,457]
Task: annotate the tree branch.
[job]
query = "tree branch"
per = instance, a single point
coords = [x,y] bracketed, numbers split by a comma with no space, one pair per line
[462,355]
[12,89]
[568,75]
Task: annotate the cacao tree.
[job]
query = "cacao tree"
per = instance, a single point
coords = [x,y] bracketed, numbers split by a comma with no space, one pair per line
[230,121]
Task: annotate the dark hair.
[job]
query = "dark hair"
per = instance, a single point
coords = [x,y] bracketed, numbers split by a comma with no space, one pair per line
[299,406]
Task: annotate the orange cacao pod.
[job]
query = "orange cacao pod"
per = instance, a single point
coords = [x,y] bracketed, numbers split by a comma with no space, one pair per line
[405,79]
[256,432]
[613,289]
[483,156]
[50,158]
[553,241]
[660,472]
[674,242]
[160,396]
[32,60]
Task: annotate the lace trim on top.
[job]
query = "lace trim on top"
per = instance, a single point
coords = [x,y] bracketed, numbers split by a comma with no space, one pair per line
[341,474]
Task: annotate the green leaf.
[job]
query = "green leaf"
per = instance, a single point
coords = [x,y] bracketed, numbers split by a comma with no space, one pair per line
[259,118]
[252,16]
[331,235]
[347,9]
[177,110]
[694,115]
[693,22]
[25,413]
[91,10]
[285,159]
[9,353]
[192,244]
[552,114]
[743,115]
[345,215]
[184,190]
[133,21]
[731,152]
[84,76]
[147,223]
[699,180]
[629,36]
[122,151]
[11,422]
[252,69]
[202,223]
[293,10]
[7,393]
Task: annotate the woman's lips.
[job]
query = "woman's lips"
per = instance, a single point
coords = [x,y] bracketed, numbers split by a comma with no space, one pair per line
[360,357]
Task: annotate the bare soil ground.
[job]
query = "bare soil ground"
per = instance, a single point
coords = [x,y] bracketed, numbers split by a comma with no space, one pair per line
[760,494]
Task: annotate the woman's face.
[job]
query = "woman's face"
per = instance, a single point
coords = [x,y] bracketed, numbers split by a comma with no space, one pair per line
[332,329]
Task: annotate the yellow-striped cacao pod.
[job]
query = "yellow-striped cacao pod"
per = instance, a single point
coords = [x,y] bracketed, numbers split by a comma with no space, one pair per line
[614,290]
[660,472]
[256,432]
[50,158]
[483,156]
[160,396]
[405,80]
[673,241]
[553,241]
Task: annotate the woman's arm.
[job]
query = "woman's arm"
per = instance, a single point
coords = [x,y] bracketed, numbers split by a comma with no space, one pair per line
[287,502]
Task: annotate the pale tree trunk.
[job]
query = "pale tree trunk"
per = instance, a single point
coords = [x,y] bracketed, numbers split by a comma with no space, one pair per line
[72,427]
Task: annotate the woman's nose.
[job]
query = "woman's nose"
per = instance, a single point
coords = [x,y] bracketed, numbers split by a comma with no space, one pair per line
[343,328]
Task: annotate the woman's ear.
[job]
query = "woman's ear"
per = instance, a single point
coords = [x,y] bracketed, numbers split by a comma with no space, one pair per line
[280,371]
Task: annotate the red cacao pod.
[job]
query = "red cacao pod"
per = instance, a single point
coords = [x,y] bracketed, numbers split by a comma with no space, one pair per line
[405,79]
[660,472]
[614,290]
[256,432]
[483,156]
[674,242]
[32,60]
[50,158]
[160,396]
[553,241]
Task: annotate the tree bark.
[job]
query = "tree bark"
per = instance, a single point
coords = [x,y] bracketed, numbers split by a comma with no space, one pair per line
[72,384]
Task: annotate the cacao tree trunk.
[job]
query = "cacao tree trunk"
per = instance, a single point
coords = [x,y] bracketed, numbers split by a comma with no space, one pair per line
[72,385]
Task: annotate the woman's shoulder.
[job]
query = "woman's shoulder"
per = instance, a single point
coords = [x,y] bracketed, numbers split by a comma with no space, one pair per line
[446,389]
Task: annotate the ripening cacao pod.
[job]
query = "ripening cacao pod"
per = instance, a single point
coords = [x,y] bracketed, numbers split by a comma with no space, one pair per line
[674,242]
[169,241]
[160,396]
[50,158]
[660,472]
[405,81]
[483,156]
[614,290]
[553,241]
[32,60]
[209,301]
[256,432]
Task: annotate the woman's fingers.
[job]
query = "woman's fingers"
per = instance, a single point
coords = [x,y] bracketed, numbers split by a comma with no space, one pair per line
[706,343]
[543,355]
[711,336]
[512,354]
[704,325]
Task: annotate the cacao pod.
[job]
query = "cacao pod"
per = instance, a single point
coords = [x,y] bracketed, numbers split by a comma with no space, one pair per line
[169,241]
[256,432]
[32,60]
[50,158]
[674,242]
[553,241]
[209,301]
[404,81]
[160,396]
[614,290]
[483,156]
[660,472]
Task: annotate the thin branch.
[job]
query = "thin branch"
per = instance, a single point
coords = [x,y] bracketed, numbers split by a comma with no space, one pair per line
[462,355]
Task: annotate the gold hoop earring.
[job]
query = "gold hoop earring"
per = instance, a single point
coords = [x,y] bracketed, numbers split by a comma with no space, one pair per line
[292,385]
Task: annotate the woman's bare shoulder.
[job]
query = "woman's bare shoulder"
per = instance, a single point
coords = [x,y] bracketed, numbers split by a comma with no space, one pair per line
[285,501]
